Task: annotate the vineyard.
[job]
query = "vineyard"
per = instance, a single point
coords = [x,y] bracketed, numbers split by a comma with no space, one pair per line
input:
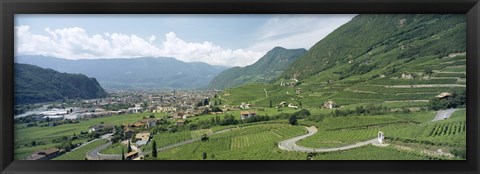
[370,153]
[249,142]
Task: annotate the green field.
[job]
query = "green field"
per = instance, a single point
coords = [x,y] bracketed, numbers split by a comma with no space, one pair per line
[46,135]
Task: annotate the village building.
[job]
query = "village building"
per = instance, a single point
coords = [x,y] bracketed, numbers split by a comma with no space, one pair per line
[149,122]
[99,110]
[46,154]
[132,155]
[142,139]
[143,136]
[180,122]
[245,105]
[165,109]
[407,76]
[444,95]
[128,132]
[292,106]
[54,117]
[134,110]
[101,127]
[329,104]
[247,114]
[137,124]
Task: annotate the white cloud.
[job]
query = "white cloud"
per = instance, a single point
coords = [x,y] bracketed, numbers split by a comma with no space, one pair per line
[152,38]
[76,43]
[289,31]
[297,31]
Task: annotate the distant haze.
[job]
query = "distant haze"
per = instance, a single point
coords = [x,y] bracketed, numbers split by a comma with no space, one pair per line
[138,73]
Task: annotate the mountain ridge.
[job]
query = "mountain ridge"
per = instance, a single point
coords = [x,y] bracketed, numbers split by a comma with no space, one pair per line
[133,73]
[264,70]
[34,84]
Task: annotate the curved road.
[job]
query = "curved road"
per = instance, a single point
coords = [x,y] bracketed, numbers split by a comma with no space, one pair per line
[96,155]
[444,114]
[290,144]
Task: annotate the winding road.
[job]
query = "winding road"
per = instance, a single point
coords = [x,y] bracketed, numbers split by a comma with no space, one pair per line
[96,155]
[289,144]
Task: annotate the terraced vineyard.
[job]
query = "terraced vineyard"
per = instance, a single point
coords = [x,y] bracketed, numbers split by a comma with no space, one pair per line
[448,133]
[253,142]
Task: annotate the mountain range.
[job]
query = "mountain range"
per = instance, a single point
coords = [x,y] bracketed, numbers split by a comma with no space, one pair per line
[266,69]
[374,58]
[34,84]
[133,73]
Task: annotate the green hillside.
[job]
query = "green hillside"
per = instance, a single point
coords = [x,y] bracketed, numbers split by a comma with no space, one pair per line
[264,70]
[394,60]
[34,84]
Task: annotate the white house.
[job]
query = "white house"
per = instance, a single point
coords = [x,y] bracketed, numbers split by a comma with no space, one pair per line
[247,114]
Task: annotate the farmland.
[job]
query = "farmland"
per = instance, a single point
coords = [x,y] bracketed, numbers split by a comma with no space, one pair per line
[46,135]
[404,79]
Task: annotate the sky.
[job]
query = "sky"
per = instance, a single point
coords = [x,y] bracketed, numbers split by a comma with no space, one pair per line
[227,40]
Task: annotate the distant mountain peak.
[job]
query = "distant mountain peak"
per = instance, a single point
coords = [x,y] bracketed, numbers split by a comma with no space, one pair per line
[264,70]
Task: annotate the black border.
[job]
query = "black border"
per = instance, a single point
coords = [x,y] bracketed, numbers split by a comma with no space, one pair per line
[10,7]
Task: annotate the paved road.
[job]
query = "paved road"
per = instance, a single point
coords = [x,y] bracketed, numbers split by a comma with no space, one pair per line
[290,144]
[96,155]
[444,114]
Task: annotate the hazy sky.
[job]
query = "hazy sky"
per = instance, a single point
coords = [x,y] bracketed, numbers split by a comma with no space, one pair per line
[231,40]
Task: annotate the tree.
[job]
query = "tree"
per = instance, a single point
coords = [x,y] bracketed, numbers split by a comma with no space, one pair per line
[34,143]
[204,155]
[154,149]
[123,154]
[204,137]
[129,147]
[428,71]
[205,102]
[293,120]
[270,103]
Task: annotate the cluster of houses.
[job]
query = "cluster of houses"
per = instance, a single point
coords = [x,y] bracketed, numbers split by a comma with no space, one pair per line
[292,83]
